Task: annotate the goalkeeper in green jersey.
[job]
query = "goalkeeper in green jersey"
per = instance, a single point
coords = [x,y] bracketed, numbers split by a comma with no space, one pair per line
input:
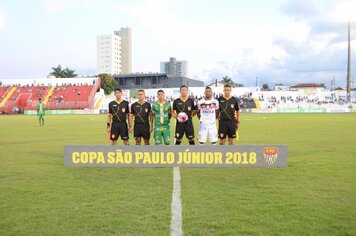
[40,112]
[161,111]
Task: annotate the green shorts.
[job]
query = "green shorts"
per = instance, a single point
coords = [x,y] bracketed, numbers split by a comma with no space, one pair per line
[40,116]
[162,131]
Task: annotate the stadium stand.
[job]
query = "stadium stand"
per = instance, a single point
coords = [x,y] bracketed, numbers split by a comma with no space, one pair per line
[3,93]
[20,97]
[84,94]
[293,99]
[247,103]
[71,97]
[16,99]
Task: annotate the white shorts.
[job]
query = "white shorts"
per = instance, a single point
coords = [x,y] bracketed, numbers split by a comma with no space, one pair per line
[206,130]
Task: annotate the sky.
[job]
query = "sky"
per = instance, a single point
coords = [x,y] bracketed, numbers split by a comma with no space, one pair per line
[279,41]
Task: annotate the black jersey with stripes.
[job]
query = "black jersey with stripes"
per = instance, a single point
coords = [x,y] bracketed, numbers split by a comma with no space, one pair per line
[187,106]
[119,110]
[141,112]
[227,108]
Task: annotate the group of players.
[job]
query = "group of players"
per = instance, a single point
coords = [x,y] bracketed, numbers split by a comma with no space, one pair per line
[143,118]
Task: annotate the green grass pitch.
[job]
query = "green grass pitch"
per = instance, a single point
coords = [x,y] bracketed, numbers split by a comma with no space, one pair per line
[314,195]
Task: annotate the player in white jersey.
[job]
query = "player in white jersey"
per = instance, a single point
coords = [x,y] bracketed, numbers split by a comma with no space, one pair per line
[208,109]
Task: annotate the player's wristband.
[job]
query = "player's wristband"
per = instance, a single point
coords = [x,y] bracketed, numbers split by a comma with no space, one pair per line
[107,125]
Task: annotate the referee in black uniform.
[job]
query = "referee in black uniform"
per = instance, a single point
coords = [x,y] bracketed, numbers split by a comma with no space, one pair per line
[143,124]
[228,116]
[187,105]
[117,117]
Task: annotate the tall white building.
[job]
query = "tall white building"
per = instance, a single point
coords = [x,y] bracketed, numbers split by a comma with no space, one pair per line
[114,52]
[108,54]
[174,67]
[126,46]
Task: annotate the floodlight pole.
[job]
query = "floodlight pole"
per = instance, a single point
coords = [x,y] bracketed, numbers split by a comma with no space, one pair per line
[348,85]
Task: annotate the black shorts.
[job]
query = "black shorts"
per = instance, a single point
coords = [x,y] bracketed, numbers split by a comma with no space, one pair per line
[186,127]
[142,130]
[119,129]
[227,128]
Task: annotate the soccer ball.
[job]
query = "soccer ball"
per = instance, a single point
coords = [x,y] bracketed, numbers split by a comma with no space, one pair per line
[182,117]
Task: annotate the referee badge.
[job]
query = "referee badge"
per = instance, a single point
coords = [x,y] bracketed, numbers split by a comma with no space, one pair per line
[123,109]
[221,135]
[146,110]
[189,108]
[232,105]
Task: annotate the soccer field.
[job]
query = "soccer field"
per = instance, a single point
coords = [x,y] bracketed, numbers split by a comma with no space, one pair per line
[314,195]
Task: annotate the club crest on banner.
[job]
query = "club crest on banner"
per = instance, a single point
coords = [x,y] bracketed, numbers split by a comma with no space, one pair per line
[270,154]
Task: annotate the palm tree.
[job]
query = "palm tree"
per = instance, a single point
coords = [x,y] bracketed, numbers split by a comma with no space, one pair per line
[57,72]
[68,73]
[227,79]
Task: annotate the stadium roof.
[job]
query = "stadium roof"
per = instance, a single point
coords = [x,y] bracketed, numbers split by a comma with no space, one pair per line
[308,85]
[222,83]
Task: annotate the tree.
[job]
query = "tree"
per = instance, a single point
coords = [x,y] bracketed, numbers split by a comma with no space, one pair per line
[58,72]
[227,79]
[68,73]
[240,85]
[108,83]
[265,87]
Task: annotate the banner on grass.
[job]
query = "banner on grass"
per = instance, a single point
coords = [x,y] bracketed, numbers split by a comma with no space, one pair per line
[301,110]
[50,112]
[171,156]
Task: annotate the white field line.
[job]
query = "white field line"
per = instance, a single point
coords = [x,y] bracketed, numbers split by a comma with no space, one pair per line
[262,118]
[176,206]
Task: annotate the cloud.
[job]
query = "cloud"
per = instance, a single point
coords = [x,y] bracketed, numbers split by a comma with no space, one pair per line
[159,18]
[2,21]
[56,5]
[323,53]
[213,48]
[308,41]
[320,51]
[91,4]
[299,9]
[342,11]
